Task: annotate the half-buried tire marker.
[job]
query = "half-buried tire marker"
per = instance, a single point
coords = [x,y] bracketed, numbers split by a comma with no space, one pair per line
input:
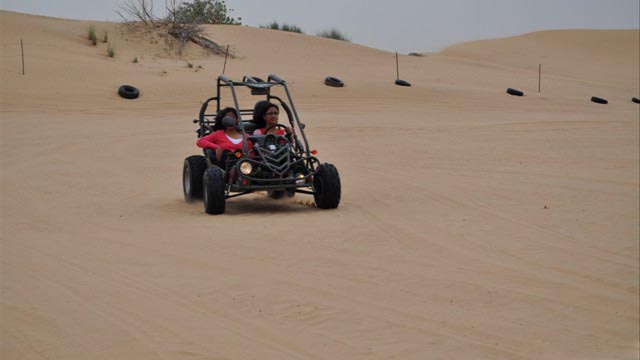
[514,92]
[128,92]
[334,82]
[598,100]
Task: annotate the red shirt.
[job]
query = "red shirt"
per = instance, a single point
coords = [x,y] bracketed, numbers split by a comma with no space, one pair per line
[220,139]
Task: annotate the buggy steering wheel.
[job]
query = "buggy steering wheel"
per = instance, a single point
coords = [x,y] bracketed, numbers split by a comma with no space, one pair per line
[276,126]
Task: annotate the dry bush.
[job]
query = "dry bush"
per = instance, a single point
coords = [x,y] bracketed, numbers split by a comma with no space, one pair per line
[111,51]
[335,34]
[183,20]
[92,35]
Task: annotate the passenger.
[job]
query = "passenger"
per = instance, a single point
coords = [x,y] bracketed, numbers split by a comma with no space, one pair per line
[269,116]
[224,141]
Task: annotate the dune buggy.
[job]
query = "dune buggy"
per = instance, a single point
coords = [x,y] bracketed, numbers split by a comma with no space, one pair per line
[279,165]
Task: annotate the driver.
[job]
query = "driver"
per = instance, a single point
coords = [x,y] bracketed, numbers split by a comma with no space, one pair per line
[270,116]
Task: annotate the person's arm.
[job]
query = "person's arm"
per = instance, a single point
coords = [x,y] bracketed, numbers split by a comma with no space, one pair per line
[288,132]
[208,142]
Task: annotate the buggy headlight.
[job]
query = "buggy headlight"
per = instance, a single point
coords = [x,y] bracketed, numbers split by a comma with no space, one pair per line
[300,179]
[246,168]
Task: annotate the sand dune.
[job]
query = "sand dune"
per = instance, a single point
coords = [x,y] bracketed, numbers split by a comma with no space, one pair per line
[473,224]
[612,54]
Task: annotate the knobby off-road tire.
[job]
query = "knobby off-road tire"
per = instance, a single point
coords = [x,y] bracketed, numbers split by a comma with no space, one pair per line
[326,184]
[192,173]
[213,191]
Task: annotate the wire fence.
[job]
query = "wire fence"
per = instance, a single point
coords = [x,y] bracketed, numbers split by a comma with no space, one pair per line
[21,44]
[28,44]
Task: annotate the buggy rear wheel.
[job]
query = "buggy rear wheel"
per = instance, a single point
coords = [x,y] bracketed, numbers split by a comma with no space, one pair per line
[279,194]
[326,187]
[275,194]
[192,172]
[213,191]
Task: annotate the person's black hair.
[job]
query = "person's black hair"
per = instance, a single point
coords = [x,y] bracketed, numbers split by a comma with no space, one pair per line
[258,113]
[220,115]
[263,112]
[266,108]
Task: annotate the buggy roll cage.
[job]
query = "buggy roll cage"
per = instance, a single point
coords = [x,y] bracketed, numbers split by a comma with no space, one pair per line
[258,87]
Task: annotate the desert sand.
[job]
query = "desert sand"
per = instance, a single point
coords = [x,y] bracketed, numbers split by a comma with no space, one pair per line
[473,224]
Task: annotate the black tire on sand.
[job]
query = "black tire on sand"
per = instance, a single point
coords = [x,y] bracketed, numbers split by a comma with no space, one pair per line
[128,92]
[213,191]
[326,184]
[598,100]
[514,92]
[192,173]
[334,82]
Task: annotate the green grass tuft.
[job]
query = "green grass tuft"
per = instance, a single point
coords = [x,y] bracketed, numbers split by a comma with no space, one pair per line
[92,35]
[111,51]
[284,27]
[335,34]
[272,25]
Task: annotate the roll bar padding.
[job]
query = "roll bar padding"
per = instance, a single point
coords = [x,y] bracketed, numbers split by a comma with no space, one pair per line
[276,78]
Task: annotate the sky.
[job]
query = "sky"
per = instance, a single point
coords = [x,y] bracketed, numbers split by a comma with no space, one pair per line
[393,25]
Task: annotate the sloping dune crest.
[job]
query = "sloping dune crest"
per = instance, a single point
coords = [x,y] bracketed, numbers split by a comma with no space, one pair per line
[604,56]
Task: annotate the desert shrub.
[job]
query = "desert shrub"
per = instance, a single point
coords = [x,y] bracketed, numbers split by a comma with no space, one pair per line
[334,34]
[416,54]
[292,28]
[189,65]
[111,51]
[92,35]
[272,25]
[204,12]
[285,27]
[105,38]
[135,60]
[183,20]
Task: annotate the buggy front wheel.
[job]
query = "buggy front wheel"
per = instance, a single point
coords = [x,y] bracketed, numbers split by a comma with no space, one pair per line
[192,172]
[326,187]
[213,191]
